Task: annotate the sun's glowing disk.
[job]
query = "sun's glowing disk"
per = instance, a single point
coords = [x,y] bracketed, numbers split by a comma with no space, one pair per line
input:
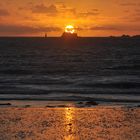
[69,29]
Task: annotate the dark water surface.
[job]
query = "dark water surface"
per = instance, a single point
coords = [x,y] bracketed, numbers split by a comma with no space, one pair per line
[99,69]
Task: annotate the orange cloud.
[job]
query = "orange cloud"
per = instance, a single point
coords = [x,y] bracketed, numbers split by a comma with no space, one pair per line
[43,9]
[89,13]
[4,12]
[129,4]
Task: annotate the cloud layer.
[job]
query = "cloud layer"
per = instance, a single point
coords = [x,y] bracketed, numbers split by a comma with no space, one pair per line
[18,29]
[4,12]
[41,8]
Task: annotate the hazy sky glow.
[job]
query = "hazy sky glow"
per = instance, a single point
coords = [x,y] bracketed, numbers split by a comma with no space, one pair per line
[90,17]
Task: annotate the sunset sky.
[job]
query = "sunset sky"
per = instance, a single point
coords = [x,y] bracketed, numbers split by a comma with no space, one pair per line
[89,17]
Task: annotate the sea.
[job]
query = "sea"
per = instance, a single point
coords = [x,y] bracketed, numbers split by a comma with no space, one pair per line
[101,69]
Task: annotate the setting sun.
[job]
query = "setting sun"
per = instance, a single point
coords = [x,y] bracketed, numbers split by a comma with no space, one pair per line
[69,29]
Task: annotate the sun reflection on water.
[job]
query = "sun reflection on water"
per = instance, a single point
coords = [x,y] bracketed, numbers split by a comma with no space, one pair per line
[70,128]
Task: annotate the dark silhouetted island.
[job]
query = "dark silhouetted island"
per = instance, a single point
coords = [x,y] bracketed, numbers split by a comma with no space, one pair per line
[69,35]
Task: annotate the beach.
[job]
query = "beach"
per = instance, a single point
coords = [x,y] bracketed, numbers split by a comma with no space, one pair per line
[70,123]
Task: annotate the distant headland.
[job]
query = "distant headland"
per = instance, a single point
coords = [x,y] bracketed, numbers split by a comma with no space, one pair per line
[69,35]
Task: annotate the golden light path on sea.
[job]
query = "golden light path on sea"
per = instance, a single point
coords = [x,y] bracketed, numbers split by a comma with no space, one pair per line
[70,128]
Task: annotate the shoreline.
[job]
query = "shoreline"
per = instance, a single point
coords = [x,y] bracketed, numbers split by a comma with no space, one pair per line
[63,104]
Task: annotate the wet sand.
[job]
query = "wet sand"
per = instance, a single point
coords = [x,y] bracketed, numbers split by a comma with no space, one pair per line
[70,123]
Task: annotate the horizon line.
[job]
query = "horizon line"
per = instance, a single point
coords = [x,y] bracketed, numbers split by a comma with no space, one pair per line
[12,36]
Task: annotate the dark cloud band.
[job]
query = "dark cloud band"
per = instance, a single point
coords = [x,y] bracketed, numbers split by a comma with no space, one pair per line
[17,29]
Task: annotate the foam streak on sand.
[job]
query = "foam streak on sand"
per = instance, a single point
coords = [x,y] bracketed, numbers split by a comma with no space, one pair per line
[70,123]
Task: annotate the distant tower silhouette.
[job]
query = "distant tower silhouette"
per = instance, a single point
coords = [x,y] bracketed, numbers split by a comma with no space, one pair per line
[46,35]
